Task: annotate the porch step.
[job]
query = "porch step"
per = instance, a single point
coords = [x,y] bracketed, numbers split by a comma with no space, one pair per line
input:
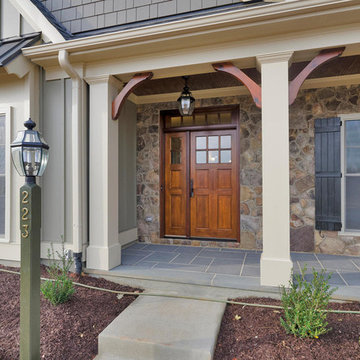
[156,328]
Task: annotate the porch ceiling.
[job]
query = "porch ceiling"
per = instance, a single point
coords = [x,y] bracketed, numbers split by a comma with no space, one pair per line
[340,67]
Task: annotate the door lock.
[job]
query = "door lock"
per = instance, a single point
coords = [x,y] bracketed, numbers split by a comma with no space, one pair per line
[191,188]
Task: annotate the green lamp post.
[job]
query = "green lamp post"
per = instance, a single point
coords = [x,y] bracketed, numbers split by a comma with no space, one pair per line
[30,155]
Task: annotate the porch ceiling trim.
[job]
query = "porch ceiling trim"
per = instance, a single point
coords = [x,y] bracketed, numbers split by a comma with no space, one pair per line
[317,83]
[270,20]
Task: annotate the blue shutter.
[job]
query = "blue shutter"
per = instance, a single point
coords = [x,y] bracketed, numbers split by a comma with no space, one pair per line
[328,174]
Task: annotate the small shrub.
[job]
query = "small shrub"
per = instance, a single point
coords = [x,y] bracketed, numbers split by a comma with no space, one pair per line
[304,304]
[60,288]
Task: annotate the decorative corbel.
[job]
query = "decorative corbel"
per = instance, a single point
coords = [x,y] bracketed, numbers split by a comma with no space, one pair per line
[323,57]
[125,92]
[252,86]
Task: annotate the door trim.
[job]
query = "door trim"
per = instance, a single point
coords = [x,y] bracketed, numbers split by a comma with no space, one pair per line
[188,130]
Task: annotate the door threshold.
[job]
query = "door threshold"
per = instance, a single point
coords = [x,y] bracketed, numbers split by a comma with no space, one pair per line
[199,238]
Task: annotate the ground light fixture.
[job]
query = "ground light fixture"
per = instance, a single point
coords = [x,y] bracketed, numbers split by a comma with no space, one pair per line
[186,101]
[30,155]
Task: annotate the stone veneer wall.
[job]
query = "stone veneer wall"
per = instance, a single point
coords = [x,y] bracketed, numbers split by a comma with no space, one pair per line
[309,105]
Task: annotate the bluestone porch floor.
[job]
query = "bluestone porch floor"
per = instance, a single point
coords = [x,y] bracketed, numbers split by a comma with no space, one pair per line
[224,267]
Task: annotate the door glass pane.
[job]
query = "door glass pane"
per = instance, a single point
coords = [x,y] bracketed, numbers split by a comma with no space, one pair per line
[200,119]
[225,156]
[225,142]
[175,150]
[213,157]
[352,132]
[353,160]
[212,118]
[352,203]
[200,142]
[175,121]
[187,120]
[201,157]
[213,142]
[225,118]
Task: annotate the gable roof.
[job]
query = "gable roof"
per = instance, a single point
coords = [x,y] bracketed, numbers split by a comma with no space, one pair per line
[10,48]
[80,18]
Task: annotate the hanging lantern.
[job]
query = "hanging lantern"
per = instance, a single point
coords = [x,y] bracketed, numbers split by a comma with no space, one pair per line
[186,101]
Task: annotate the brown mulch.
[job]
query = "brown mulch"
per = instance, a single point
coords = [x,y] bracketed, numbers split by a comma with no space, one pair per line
[258,335]
[68,331]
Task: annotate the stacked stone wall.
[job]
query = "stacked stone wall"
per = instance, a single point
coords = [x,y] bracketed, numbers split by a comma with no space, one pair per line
[309,105]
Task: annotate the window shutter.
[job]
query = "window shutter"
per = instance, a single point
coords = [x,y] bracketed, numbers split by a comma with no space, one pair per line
[327,174]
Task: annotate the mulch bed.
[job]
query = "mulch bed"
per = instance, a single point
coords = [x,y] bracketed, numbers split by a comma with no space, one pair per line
[68,331]
[259,335]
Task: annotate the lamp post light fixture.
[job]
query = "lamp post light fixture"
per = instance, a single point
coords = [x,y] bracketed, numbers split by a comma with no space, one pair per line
[186,101]
[30,155]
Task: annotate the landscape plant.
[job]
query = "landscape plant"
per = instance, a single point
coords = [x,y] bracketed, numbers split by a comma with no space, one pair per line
[305,303]
[59,288]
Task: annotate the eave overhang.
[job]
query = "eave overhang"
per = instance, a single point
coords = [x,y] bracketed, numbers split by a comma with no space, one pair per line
[271,24]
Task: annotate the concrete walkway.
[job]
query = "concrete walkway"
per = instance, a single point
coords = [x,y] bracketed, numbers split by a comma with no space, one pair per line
[158,328]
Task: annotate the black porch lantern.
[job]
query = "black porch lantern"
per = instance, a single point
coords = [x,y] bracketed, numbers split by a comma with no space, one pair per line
[29,152]
[186,101]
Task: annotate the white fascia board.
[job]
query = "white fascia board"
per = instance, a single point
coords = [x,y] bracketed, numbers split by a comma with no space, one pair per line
[241,18]
[37,20]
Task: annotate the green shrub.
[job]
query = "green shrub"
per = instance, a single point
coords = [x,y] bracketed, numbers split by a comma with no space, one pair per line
[304,304]
[60,288]
[58,291]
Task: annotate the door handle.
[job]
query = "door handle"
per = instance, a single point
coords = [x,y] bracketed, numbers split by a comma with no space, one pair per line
[191,188]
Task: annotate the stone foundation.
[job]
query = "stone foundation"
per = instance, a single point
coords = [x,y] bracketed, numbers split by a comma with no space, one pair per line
[309,105]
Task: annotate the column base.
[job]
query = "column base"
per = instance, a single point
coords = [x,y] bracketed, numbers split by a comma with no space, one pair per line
[275,271]
[103,257]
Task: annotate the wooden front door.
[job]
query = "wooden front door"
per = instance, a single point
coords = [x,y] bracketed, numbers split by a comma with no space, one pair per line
[201,184]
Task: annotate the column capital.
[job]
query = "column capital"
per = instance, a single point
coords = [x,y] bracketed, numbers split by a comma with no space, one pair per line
[274,58]
[107,79]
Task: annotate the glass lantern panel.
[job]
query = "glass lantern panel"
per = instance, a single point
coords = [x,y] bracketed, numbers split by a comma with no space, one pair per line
[213,157]
[16,155]
[31,137]
[185,103]
[32,160]
[44,161]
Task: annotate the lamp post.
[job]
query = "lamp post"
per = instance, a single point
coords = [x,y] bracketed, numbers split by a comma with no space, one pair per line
[30,155]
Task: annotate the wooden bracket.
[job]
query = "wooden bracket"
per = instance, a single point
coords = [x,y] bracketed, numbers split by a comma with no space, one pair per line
[125,92]
[253,87]
[324,56]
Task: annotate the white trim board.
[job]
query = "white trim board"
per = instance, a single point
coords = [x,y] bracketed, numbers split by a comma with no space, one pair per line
[7,112]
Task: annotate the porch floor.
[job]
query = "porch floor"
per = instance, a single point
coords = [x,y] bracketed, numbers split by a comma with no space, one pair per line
[229,268]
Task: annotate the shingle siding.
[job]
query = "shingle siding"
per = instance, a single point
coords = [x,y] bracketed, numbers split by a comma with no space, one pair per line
[85,15]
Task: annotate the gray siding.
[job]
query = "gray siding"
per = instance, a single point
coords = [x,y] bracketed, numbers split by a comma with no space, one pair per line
[56,182]
[85,15]
[127,167]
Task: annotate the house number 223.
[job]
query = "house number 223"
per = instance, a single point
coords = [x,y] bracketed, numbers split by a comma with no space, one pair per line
[24,214]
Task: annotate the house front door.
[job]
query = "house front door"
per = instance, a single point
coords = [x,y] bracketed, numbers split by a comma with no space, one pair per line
[201,184]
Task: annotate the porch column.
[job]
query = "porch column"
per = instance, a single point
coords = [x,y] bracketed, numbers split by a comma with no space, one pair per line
[275,264]
[104,251]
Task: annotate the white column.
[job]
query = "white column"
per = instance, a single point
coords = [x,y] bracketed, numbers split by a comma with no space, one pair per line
[275,264]
[104,251]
